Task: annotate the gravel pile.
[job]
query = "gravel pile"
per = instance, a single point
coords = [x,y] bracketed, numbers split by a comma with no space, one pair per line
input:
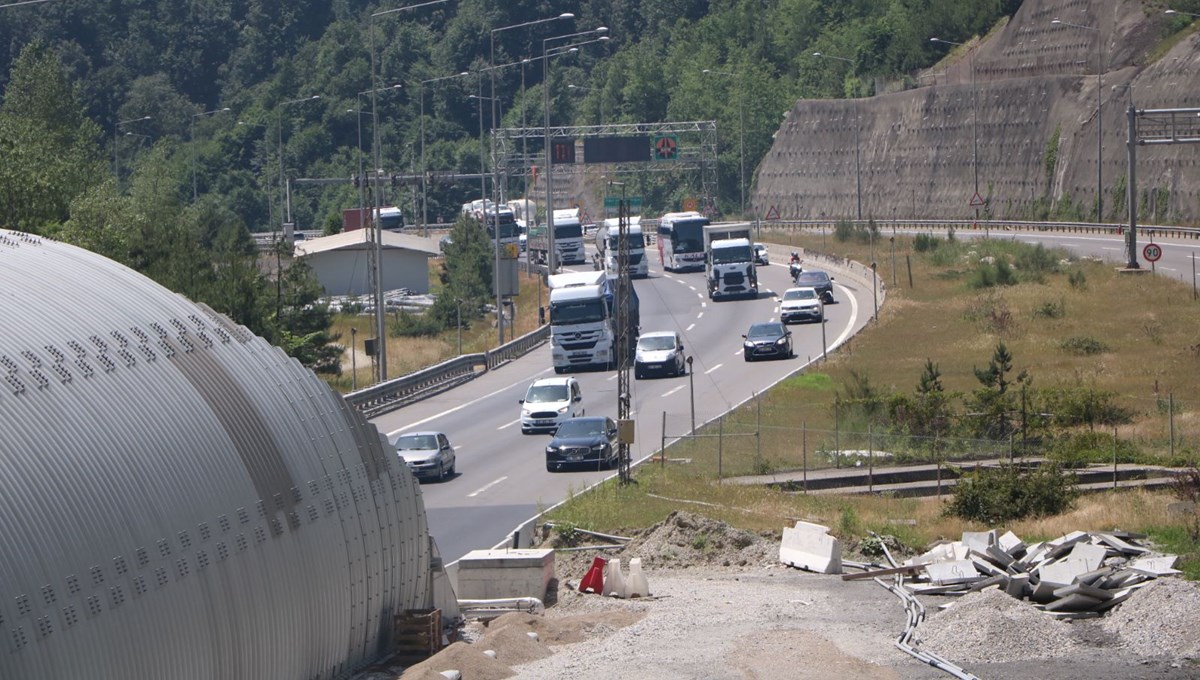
[1161,619]
[991,627]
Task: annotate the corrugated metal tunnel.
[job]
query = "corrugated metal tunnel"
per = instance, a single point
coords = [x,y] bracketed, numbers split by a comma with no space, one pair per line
[180,499]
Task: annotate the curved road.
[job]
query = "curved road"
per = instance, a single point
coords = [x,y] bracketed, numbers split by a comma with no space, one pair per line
[502,480]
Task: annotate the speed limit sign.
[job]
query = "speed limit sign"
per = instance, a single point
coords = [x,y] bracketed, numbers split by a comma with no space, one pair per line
[1152,252]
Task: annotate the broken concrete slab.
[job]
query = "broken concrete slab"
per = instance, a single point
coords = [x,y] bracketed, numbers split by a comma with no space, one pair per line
[1156,566]
[989,582]
[1083,589]
[809,546]
[1121,544]
[957,571]
[1000,556]
[1018,586]
[1042,592]
[1073,603]
[1011,544]
[1091,577]
[979,541]
[1063,572]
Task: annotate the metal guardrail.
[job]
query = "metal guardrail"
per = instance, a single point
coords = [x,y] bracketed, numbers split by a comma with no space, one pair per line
[988,225]
[393,394]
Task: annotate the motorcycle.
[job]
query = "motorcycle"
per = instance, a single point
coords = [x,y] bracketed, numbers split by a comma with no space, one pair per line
[794,267]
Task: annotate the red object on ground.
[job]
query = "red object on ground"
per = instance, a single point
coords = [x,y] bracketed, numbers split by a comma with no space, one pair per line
[593,582]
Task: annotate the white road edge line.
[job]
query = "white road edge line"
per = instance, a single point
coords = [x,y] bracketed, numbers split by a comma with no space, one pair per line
[469,403]
[713,369]
[689,328]
[700,315]
[509,424]
[485,487]
[670,392]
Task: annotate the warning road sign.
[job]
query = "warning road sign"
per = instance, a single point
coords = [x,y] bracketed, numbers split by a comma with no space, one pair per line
[772,213]
[1152,252]
[977,200]
[666,148]
[690,204]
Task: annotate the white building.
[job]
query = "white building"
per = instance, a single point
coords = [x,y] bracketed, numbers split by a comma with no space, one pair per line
[341,262]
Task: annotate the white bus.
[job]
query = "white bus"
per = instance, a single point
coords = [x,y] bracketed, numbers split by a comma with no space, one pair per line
[681,241]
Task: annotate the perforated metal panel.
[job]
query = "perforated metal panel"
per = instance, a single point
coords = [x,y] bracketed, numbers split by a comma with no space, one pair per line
[180,499]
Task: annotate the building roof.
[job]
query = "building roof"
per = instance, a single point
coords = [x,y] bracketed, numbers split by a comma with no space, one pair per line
[360,239]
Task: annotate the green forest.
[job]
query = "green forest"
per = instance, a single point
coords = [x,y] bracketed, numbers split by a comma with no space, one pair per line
[160,133]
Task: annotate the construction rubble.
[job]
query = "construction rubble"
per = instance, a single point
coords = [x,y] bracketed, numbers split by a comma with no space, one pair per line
[1079,575]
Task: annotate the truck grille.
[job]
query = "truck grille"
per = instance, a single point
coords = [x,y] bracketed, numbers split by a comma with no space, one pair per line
[734,278]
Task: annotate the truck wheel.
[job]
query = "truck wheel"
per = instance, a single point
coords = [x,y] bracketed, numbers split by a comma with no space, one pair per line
[559,370]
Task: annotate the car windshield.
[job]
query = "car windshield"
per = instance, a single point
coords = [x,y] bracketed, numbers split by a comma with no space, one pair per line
[543,394]
[800,294]
[581,427]
[578,311]
[416,442]
[760,248]
[765,331]
[812,277]
[733,254]
[636,241]
[657,342]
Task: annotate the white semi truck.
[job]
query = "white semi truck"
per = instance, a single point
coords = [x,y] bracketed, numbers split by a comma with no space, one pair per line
[608,241]
[583,320]
[729,261]
[568,239]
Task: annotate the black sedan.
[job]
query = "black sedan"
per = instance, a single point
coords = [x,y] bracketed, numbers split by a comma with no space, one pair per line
[587,442]
[822,282]
[769,340]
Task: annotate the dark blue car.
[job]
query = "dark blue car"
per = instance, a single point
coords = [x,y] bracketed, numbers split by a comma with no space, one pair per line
[586,442]
[815,278]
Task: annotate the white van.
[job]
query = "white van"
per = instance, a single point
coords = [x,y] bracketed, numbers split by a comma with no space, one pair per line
[549,402]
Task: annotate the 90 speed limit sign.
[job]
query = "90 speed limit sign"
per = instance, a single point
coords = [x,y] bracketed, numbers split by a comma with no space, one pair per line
[1152,252]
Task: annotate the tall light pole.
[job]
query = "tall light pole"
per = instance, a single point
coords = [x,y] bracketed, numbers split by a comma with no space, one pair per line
[362,180]
[552,254]
[192,143]
[116,145]
[287,203]
[484,222]
[565,16]
[1099,112]
[375,137]
[266,163]
[424,171]
[857,151]
[377,254]
[974,122]
[742,141]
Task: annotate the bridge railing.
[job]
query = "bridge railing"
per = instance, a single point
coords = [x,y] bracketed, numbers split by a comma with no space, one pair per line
[397,392]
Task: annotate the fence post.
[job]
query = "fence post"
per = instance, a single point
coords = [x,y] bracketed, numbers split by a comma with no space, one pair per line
[757,433]
[662,450]
[1114,456]
[1171,421]
[720,446]
[804,452]
[870,460]
[937,459]
[837,446]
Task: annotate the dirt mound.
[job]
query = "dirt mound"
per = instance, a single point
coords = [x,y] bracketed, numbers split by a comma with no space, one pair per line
[512,643]
[991,626]
[566,630]
[460,656]
[685,539]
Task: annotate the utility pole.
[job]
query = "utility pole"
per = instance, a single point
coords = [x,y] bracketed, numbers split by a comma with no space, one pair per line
[625,336]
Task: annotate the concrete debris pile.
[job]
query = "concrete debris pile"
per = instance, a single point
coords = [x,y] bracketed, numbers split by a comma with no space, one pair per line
[1079,575]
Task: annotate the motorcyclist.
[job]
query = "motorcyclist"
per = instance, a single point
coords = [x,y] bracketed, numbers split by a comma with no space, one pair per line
[794,265]
[795,258]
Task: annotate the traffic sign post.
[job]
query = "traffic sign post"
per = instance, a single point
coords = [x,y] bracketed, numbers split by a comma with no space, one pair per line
[1152,252]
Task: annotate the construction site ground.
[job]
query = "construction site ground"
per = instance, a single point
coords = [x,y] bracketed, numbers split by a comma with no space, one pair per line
[722,606]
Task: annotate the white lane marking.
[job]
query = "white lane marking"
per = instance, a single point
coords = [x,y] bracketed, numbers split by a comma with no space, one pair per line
[771,320]
[692,287]
[509,424]
[670,392]
[699,295]
[713,369]
[700,315]
[1169,269]
[703,305]
[614,377]
[469,403]
[1102,247]
[737,352]
[683,282]
[485,487]
[689,328]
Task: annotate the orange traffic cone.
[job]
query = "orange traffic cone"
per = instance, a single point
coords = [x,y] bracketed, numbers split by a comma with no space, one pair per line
[593,582]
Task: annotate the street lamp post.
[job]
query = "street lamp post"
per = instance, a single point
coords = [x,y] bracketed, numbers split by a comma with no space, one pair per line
[287,207]
[192,143]
[551,253]
[266,163]
[974,123]
[857,152]
[496,224]
[1099,112]
[377,254]
[116,145]
[424,171]
[742,142]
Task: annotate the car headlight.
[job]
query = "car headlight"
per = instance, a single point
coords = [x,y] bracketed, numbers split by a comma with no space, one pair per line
[598,448]
[781,341]
[564,409]
[748,345]
[525,413]
[552,450]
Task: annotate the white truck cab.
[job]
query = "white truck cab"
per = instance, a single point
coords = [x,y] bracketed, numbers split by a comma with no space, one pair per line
[608,240]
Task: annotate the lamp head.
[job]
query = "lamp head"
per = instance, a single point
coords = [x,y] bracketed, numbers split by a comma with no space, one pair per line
[602,29]
[816,54]
[566,15]
[1055,21]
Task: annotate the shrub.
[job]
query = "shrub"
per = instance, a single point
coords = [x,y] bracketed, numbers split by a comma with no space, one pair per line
[1082,345]
[995,495]
[1037,260]
[843,231]
[924,243]
[990,274]
[1078,449]
[1077,279]
[1050,310]
[408,324]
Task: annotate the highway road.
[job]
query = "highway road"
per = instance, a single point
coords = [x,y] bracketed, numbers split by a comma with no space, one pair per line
[502,480]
